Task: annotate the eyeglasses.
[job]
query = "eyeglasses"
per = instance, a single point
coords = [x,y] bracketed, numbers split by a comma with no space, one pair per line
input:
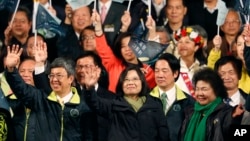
[21,21]
[87,66]
[126,80]
[87,38]
[57,76]
[231,22]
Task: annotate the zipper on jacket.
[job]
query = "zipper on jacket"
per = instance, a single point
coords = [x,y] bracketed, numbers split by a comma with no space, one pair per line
[61,136]
[27,111]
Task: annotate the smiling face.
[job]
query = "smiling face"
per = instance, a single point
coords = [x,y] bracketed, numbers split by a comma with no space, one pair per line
[186,47]
[81,18]
[60,82]
[126,51]
[132,84]
[26,70]
[229,76]
[204,93]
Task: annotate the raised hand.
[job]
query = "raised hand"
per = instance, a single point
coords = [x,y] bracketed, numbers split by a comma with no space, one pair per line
[40,53]
[96,19]
[126,21]
[13,57]
[92,76]
[150,24]
[246,34]
[217,41]
[8,35]
[68,12]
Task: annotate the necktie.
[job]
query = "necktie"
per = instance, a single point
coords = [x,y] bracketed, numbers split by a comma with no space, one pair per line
[104,13]
[164,101]
[227,101]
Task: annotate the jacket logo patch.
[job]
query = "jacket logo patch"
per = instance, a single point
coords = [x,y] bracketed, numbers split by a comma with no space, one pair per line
[74,112]
[176,107]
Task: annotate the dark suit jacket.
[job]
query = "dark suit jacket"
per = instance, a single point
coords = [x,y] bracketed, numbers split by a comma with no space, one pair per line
[112,20]
[68,46]
[102,124]
[140,11]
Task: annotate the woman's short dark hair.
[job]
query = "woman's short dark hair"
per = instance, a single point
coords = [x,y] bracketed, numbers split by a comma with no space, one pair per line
[145,88]
[212,77]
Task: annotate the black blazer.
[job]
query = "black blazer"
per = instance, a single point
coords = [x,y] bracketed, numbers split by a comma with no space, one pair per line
[112,21]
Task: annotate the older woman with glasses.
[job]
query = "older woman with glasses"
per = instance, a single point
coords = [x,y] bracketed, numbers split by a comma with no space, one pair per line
[210,118]
[134,114]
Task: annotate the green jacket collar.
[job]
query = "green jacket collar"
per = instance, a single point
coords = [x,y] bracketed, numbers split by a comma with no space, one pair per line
[74,100]
[179,93]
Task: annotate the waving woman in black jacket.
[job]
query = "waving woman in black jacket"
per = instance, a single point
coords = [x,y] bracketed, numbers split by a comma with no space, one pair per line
[134,115]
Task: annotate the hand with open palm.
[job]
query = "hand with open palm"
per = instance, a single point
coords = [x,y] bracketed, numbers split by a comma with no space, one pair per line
[13,57]
[92,76]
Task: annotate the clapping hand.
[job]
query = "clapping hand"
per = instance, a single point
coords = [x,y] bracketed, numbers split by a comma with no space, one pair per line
[13,57]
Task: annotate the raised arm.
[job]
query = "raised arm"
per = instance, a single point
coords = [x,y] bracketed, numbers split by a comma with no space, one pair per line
[126,21]
[41,77]
[100,105]
[7,35]
[246,34]
[28,94]
[68,12]
[215,53]
[102,48]
[152,35]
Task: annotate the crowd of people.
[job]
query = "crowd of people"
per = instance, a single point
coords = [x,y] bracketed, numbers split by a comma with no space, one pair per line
[90,85]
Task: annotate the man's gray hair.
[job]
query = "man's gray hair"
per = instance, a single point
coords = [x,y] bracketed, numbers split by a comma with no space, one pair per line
[66,63]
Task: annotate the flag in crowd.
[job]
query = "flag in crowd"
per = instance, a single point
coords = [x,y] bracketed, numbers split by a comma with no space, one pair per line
[47,24]
[75,4]
[8,4]
[148,50]
[244,8]
[222,13]
[4,104]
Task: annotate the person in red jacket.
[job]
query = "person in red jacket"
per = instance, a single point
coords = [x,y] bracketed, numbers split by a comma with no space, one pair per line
[122,56]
